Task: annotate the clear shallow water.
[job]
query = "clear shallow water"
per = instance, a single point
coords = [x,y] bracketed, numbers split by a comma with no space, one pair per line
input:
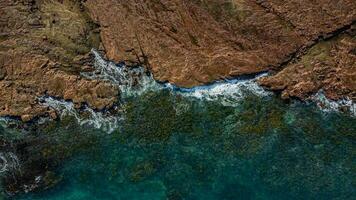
[174,147]
[225,141]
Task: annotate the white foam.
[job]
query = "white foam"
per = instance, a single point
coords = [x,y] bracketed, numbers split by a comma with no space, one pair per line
[4,121]
[8,162]
[135,81]
[99,120]
[228,92]
[328,105]
[130,80]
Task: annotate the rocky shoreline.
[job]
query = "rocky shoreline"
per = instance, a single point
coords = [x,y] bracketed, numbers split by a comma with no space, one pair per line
[43,47]
[45,44]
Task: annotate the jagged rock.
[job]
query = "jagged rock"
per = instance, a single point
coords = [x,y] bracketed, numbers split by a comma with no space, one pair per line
[313,19]
[190,42]
[53,114]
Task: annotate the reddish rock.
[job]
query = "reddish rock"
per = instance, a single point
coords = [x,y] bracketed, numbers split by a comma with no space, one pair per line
[43,45]
[195,42]
[53,114]
[26,118]
[189,43]
[329,66]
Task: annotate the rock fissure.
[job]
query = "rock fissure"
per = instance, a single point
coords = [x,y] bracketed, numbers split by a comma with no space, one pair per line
[295,56]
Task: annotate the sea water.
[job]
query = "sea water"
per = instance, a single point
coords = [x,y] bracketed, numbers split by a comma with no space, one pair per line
[228,140]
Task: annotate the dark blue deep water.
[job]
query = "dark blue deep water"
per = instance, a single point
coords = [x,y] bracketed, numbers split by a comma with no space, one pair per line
[174,147]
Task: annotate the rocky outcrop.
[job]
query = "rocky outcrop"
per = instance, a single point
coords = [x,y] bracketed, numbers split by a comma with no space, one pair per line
[43,47]
[329,66]
[313,19]
[195,42]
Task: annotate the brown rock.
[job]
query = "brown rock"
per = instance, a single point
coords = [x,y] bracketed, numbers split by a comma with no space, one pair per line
[190,43]
[45,44]
[194,42]
[329,66]
[53,114]
[44,60]
[26,118]
[313,19]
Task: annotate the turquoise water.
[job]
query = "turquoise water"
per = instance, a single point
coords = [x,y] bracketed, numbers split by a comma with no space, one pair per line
[229,140]
[170,146]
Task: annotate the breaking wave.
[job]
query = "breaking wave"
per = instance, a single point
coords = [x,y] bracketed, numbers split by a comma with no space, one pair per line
[130,80]
[4,121]
[228,92]
[87,116]
[327,105]
[135,81]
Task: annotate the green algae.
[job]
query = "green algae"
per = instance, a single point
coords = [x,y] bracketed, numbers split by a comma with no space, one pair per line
[152,126]
[63,30]
[320,52]
[226,11]
[170,146]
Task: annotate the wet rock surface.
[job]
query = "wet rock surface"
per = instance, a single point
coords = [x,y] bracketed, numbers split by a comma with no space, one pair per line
[43,47]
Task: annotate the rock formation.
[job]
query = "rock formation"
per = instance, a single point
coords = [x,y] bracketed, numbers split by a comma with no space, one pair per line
[329,66]
[308,45]
[43,46]
[195,42]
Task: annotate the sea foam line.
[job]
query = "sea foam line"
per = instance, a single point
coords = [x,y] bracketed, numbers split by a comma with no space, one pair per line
[135,81]
[99,120]
[227,92]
